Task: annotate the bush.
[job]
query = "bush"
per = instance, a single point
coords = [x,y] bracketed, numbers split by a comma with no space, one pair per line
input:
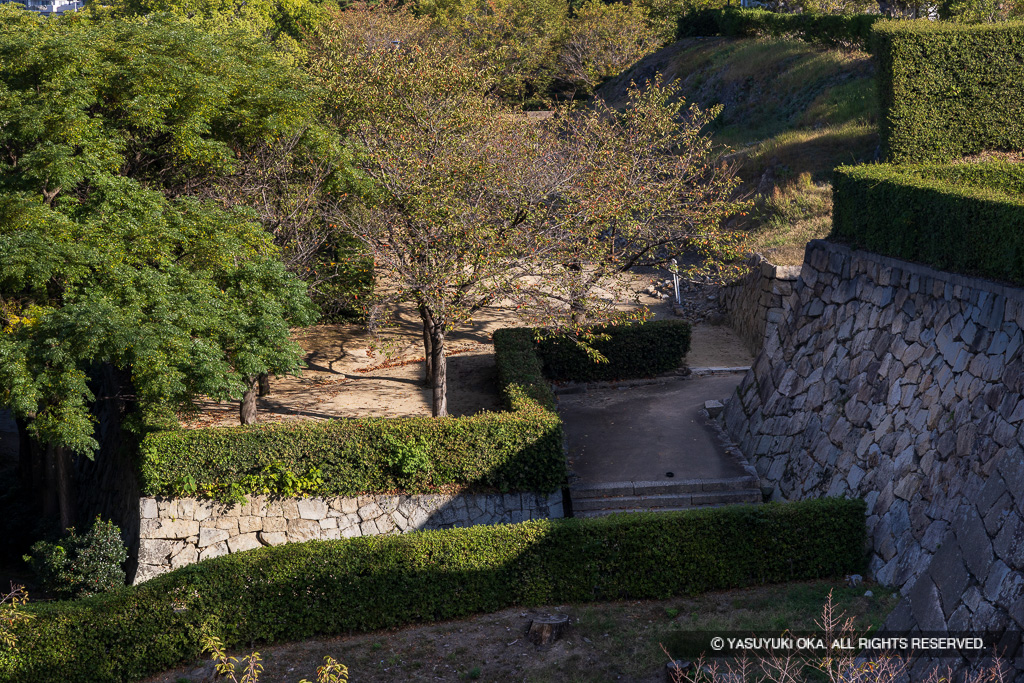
[839,30]
[519,450]
[80,566]
[948,90]
[631,351]
[966,218]
[298,591]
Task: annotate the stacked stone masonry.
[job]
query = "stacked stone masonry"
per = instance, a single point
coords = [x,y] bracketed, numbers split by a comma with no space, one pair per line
[756,303]
[902,385]
[180,531]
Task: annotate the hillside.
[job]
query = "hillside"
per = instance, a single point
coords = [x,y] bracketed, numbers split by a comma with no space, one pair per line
[791,113]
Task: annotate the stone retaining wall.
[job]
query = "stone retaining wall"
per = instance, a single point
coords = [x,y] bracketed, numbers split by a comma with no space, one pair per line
[756,303]
[902,385]
[180,531]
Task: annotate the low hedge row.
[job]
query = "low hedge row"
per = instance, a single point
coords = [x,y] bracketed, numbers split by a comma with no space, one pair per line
[632,351]
[966,218]
[847,30]
[299,591]
[519,450]
[949,89]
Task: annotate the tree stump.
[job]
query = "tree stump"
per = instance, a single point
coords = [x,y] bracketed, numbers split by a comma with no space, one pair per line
[547,628]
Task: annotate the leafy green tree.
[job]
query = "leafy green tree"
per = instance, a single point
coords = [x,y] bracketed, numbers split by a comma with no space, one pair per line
[108,256]
[604,40]
[452,178]
[469,203]
[644,188]
[282,23]
[514,40]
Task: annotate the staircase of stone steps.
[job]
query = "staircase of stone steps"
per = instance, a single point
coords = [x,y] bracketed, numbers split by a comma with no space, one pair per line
[596,500]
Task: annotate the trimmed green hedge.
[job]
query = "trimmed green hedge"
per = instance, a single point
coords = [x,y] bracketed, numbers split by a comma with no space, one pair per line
[298,591]
[949,89]
[632,351]
[847,30]
[519,450]
[966,218]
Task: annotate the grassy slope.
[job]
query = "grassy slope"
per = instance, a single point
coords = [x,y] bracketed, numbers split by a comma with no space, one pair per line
[791,113]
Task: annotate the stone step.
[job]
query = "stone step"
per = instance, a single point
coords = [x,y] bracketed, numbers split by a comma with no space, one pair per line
[666,500]
[665,486]
[590,514]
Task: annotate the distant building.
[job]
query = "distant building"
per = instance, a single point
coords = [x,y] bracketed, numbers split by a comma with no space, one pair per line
[53,7]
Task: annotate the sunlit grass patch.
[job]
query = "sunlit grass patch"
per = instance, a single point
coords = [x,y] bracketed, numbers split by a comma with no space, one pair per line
[791,216]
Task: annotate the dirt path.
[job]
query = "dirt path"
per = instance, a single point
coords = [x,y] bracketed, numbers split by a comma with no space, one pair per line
[348,375]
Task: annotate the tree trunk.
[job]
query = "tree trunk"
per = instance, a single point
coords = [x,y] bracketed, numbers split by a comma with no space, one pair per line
[65,487]
[28,468]
[440,372]
[264,380]
[546,629]
[436,362]
[579,314]
[58,493]
[428,348]
[247,413]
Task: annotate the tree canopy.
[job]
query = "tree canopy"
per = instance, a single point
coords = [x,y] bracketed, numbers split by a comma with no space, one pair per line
[469,203]
[107,252]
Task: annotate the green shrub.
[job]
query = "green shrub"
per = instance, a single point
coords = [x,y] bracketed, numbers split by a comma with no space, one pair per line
[511,451]
[81,565]
[520,373]
[631,351]
[297,591]
[966,218]
[519,450]
[949,89]
[839,30]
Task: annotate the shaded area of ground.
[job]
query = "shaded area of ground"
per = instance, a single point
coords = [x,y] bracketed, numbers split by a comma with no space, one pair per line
[619,641]
[349,373]
[640,433]
[717,346]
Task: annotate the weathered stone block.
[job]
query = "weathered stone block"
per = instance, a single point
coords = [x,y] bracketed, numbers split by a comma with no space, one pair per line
[168,528]
[275,524]
[215,550]
[148,508]
[188,555]
[289,508]
[312,508]
[272,537]
[249,524]
[303,530]
[156,551]
[209,536]
[243,542]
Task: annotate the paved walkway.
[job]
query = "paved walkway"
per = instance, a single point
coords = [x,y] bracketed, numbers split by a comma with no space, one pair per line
[641,433]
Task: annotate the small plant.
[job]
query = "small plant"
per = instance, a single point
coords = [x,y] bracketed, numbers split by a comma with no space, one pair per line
[671,612]
[330,672]
[81,565]
[409,457]
[473,674]
[11,614]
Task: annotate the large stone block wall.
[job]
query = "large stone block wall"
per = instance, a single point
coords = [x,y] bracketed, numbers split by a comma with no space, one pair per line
[902,385]
[756,303]
[178,531]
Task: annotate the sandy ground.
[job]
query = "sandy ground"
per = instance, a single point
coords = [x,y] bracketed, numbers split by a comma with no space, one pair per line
[349,374]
